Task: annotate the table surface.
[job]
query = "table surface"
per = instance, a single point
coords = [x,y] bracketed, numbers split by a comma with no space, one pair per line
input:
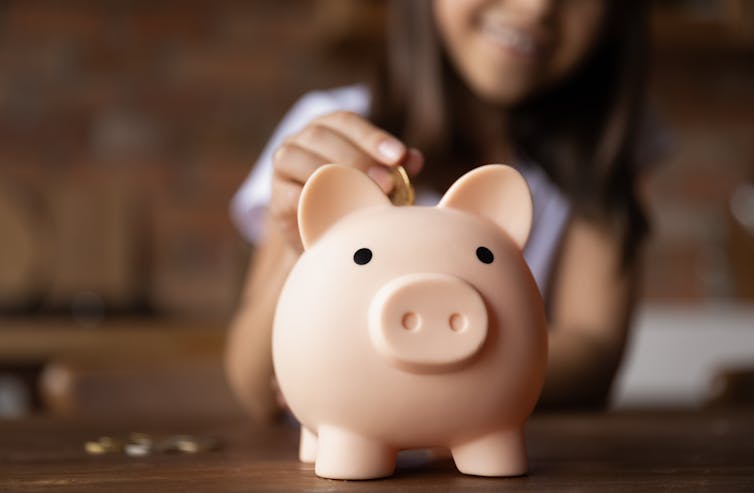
[636,451]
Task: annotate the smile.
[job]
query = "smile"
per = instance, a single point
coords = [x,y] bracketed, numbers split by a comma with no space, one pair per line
[519,42]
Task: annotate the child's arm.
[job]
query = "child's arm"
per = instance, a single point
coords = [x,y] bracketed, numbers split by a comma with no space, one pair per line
[340,137]
[248,359]
[593,301]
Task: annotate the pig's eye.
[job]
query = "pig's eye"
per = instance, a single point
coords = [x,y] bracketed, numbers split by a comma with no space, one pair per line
[362,256]
[484,254]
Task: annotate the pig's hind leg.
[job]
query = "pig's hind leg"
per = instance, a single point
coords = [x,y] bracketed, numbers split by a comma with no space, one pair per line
[307,446]
[342,454]
[500,453]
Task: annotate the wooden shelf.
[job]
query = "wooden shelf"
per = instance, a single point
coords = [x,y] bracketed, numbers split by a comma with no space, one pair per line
[39,340]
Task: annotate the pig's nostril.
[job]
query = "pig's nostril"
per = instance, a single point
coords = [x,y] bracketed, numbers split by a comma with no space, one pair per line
[410,321]
[457,322]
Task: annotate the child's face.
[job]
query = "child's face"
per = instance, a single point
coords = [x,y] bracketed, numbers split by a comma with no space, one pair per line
[507,49]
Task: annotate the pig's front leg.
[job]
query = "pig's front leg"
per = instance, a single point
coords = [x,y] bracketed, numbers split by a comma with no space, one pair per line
[307,446]
[500,453]
[342,454]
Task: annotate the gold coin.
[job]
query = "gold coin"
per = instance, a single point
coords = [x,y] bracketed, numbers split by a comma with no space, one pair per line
[111,444]
[403,192]
[94,448]
[190,444]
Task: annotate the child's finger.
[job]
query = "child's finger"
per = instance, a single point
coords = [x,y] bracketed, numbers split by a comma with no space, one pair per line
[284,197]
[294,162]
[283,208]
[414,162]
[334,147]
[382,177]
[379,144]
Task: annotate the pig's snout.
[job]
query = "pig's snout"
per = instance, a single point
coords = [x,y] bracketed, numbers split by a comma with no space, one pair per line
[427,322]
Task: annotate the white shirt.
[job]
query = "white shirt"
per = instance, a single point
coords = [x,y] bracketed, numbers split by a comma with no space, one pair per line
[551,208]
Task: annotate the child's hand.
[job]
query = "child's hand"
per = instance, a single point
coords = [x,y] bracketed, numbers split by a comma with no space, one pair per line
[343,138]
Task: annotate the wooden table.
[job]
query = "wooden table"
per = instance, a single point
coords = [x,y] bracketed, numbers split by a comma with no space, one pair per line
[707,451]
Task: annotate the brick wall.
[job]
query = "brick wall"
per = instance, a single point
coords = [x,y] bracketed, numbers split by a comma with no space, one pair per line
[128,125]
[125,127]
[703,87]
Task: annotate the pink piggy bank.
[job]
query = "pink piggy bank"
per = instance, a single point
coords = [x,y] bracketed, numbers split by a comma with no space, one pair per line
[411,327]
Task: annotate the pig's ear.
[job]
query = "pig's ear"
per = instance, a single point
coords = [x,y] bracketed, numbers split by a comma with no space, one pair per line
[330,193]
[497,192]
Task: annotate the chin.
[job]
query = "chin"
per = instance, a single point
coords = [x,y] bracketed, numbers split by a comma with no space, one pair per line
[502,93]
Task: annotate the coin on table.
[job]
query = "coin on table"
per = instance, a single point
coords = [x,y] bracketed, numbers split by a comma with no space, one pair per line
[189,444]
[111,444]
[103,445]
[94,448]
[403,192]
[138,449]
[139,444]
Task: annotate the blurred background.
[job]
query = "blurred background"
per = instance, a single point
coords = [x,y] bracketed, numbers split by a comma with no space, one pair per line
[126,126]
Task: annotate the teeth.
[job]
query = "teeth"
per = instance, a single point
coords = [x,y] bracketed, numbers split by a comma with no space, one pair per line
[511,37]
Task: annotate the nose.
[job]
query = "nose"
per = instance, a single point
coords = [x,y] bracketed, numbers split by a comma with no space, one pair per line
[427,322]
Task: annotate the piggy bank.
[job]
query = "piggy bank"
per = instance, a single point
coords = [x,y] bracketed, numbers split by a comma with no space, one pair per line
[411,327]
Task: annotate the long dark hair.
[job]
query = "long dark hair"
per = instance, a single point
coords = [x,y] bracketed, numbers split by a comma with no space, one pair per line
[583,133]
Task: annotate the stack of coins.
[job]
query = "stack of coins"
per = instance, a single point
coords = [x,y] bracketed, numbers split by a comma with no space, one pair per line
[403,192]
[142,444]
